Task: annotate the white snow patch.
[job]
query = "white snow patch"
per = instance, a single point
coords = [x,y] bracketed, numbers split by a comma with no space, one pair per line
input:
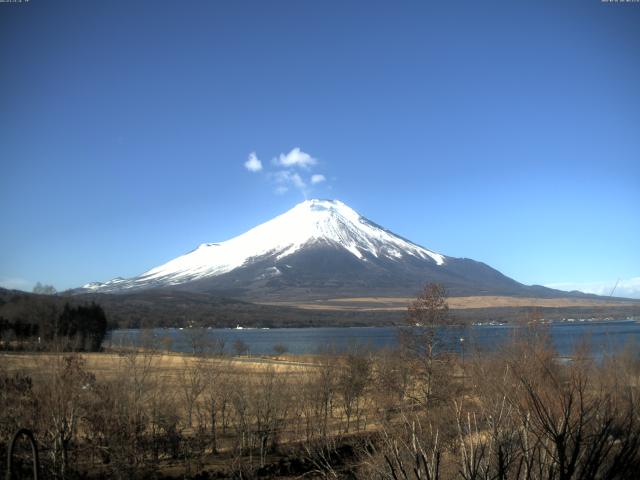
[329,221]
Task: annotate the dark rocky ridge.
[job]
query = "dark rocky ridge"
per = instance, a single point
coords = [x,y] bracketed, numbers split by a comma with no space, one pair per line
[325,270]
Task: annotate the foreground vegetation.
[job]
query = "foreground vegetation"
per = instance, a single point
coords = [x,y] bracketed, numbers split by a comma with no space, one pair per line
[415,412]
[513,414]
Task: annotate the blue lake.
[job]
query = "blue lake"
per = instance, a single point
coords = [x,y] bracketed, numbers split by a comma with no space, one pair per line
[603,337]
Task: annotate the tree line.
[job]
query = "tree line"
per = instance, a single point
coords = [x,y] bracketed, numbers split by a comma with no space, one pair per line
[41,323]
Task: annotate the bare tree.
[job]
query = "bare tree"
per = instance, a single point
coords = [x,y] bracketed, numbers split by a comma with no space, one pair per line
[353,377]
[408,452]
[192,381]
[44,289]
[61,406]
[427,312]
[240,347]
[216,396]
[578,432]
[269,409]
[280,349]
[391,375]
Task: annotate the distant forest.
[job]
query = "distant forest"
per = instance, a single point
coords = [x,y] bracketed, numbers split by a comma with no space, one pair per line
[42,322]
[29,316]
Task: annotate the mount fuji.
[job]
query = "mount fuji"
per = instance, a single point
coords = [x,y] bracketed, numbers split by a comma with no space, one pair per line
[319,249]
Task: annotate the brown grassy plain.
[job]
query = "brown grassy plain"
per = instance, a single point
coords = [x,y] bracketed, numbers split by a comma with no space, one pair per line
[151,414]
[455,303]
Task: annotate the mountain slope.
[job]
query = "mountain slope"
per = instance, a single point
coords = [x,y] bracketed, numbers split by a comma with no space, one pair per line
[319,249]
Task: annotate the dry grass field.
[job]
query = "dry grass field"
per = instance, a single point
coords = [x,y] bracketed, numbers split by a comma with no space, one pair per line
[150,414]
[169,366]
[455,303]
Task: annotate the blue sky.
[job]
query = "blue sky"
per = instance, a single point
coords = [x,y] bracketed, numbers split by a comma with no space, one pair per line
[507,132]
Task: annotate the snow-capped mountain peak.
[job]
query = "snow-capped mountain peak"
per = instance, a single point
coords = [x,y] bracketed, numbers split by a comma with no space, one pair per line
[312,222]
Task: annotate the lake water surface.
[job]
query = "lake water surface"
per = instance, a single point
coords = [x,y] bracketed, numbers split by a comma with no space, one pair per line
[603,337]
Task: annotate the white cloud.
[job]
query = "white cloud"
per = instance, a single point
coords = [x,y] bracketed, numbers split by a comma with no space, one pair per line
[297,181]
[317,178]
[295,158]
[253,164]
[629,288]
[285,179]
[284,174]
